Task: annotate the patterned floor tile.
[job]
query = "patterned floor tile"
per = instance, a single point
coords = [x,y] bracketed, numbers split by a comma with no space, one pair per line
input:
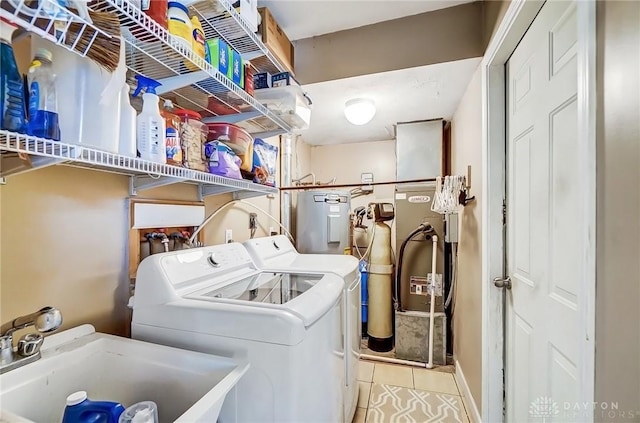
[395,404]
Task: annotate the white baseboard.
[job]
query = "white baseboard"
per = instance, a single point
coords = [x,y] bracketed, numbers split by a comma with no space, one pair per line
[469,403]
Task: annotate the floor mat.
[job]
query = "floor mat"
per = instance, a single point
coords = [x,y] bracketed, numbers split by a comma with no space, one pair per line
[402,405]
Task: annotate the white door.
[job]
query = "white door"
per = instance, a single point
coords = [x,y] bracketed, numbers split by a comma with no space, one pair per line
[544,259]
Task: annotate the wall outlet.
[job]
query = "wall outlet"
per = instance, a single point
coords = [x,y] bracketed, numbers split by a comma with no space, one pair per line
[272,231]
[228,236]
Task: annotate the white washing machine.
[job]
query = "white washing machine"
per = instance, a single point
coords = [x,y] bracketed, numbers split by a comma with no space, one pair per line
[288,325]
[277,254]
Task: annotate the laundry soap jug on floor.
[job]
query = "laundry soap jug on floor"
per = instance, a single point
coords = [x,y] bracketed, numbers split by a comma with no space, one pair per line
[80,409]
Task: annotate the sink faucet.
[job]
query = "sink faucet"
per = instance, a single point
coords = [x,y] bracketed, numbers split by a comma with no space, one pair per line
[45,320]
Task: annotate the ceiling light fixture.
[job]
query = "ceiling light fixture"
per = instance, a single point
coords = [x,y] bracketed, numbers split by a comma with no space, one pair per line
[359,110]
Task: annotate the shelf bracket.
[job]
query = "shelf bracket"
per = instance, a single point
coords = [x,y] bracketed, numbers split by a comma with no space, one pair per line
[208,190]
[268,134]
[14,165]
[141,183]
[233,118]
[243,195]
[173,83]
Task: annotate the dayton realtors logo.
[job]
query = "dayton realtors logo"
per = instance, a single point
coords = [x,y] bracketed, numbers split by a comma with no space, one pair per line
[545,408]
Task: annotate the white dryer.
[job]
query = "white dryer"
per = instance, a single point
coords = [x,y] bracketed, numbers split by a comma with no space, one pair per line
[288,325]
[277,254]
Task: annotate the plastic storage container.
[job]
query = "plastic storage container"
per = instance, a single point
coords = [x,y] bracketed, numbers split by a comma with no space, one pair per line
[91,116]
[193,136]
[288,102]
[43,100]
[12,103]
[80,409]
[239,140]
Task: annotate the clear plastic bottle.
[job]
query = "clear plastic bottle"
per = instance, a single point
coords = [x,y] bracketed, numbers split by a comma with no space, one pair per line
[43,100]
[12,105]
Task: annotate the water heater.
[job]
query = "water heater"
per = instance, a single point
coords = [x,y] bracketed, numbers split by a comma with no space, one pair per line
[323,221]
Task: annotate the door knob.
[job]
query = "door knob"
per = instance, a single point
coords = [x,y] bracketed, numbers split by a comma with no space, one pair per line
[502,282]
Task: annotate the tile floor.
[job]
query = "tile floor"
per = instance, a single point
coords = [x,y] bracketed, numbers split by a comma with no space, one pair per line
[393,394]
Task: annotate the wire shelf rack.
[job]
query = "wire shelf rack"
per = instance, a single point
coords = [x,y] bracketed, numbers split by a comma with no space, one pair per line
[144,174]
[53,22]
[220,19]
[153,52]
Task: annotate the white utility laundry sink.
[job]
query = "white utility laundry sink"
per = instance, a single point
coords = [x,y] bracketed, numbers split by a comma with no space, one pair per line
[187,386]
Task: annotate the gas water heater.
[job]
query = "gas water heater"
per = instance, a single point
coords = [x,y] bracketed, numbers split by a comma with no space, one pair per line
[323,221]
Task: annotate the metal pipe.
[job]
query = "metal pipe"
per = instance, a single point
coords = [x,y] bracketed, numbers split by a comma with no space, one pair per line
[285,197]
[309,187]
[391,360]
[300,179]
[432,309]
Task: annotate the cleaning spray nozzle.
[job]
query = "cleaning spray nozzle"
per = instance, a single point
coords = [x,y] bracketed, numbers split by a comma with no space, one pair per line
[149,85]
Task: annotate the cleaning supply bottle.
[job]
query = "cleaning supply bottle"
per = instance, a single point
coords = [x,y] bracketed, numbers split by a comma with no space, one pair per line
[150,127]
[43,101]
[127,146]
[172,134]
[197,42]
[81,409]
[12,105]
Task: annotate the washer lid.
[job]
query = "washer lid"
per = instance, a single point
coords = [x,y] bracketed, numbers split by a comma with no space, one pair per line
[307,295]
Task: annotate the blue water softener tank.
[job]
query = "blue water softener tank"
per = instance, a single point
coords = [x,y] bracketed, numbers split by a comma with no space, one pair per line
[364,294]
[81,409]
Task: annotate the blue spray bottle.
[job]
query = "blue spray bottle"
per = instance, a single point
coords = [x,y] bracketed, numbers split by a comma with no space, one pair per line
[150,125]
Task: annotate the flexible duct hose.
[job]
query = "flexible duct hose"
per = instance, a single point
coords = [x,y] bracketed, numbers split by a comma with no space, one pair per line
[422,228]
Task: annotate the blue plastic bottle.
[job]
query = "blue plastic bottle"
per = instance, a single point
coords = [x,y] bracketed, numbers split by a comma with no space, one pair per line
[12,105]
[43,101]
[80,409]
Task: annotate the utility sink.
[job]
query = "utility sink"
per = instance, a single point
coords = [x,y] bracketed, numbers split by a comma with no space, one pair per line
[187,386]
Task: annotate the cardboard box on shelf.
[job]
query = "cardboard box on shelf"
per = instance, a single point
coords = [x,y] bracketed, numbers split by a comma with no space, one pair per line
[262,80]
[275,39]
[217,54]
[283,79]
[236,69]
[248,78]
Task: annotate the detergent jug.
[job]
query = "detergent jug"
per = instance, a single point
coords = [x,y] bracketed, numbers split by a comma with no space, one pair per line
[80,409]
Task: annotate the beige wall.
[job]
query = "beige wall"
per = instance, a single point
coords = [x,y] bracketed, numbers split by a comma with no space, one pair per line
[347,161]
[492,13]
[618,212]
[444,35]
[64,238]
[466,149]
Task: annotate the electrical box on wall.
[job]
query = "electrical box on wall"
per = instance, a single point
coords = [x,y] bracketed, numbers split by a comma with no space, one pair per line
[451,227]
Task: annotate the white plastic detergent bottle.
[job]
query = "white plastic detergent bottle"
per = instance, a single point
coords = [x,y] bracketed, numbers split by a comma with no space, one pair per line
[150,127]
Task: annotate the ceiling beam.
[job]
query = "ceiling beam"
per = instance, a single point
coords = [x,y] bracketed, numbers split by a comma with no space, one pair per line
[444,35]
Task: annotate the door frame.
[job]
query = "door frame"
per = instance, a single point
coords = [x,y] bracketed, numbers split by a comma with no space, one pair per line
[515,23]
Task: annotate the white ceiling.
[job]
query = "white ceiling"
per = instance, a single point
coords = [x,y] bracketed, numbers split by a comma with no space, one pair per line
[425,92]
[308,18]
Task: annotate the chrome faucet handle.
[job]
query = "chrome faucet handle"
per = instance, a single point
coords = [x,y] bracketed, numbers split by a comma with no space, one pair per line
[30,344]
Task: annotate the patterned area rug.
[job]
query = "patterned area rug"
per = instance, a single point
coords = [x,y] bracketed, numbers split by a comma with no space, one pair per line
[402,405]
